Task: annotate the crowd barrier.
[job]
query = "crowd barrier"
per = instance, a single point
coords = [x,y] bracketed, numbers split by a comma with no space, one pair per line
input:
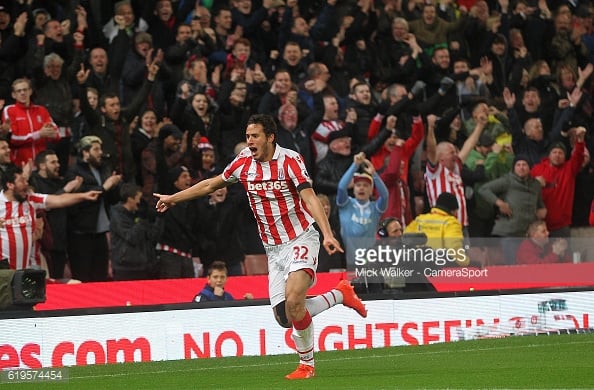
[171,291]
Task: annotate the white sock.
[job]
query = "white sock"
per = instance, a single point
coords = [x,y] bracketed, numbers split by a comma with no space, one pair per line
[323,302]
[304,342]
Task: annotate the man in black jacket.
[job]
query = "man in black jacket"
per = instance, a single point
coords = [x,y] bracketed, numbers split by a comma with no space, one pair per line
[88,222]
[47,180]
[176,245]
[220,231]
[133,239]
[340,156]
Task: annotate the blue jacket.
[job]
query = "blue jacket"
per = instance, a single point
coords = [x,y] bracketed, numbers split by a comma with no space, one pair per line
[207,294]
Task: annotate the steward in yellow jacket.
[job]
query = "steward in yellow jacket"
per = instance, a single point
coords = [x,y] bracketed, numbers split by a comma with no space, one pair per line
[443,230]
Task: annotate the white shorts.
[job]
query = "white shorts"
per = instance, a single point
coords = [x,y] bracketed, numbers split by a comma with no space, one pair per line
[300,253]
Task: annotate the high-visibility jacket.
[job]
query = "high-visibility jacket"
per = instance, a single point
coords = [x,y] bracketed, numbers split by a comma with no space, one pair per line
[443,231]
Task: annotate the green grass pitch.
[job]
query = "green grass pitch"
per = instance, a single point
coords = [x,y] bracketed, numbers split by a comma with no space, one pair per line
[536,362]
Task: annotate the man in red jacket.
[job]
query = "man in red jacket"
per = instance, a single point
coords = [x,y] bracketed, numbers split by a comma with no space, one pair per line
[395,174]
[556,174]
[31,124]
[536,248]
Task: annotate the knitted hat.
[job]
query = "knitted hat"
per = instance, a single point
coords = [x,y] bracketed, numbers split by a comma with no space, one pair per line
[558,145]
[447,202]
[338,134]
[204,144]
[521,157]
[174,173]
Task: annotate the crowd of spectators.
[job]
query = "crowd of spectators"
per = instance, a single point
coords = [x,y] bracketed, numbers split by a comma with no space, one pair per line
[490,101]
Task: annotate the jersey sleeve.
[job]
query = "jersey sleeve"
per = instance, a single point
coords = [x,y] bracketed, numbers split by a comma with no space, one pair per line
[297,171]
[233,169]
[37,201]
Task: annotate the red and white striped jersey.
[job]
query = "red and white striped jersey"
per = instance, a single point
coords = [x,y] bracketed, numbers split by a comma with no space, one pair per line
[16,236]
[273,192]
[320,136]
[439,179]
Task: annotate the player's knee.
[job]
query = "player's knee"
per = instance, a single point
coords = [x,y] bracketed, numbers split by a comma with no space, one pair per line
[280,315]
[294,305]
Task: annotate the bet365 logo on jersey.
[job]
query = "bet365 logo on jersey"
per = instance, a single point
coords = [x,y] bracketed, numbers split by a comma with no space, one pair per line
[267,186]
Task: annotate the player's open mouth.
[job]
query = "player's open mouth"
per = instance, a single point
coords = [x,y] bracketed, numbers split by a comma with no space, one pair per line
[253,150]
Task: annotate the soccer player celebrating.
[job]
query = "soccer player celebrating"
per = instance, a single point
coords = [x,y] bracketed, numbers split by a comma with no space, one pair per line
[285,206]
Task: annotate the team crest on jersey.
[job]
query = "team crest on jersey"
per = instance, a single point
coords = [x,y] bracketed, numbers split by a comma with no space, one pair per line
[39,118]
[281,174]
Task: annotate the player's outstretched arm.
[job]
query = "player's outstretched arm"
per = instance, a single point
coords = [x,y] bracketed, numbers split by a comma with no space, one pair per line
[199,189]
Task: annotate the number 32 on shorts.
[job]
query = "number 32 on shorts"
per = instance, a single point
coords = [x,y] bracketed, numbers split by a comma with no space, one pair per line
[301,254]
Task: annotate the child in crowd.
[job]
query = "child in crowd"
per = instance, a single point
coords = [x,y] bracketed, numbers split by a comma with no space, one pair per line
[214,290]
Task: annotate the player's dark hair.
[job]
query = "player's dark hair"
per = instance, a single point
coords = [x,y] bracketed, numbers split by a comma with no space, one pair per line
[266,121]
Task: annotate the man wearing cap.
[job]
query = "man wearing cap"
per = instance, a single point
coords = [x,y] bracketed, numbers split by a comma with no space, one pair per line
[359,215]
[140,51]
[442,228]
[340,156]
[330,123]
[518,198]
[88,222]
[556,174]
[40,17]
